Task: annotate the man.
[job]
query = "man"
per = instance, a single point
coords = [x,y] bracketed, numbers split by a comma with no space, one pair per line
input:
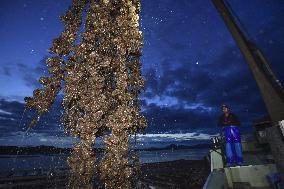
[230,126]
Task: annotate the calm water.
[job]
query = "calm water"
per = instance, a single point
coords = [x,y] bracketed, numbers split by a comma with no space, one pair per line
[50,162]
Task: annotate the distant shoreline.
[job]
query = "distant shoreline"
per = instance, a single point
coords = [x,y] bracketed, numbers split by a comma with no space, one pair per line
[45,150]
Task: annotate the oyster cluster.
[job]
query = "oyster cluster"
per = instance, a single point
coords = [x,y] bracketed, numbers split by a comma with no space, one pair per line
[99,70]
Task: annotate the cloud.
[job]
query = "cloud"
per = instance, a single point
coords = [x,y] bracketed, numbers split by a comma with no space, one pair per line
[31,75]
[5,112]
[188,96]
[180,95]
[21,138]
[178,118]
[13,118]
[175,137]
[6,70]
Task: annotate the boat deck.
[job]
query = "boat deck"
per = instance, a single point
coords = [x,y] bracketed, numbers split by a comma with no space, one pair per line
[253,174]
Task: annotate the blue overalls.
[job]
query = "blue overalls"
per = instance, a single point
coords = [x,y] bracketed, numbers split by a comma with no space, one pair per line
[233,145]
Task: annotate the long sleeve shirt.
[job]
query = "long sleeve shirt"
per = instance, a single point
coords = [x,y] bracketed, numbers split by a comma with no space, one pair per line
[231,119]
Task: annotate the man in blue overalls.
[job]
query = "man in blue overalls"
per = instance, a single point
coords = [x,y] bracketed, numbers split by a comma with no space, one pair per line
[230,127]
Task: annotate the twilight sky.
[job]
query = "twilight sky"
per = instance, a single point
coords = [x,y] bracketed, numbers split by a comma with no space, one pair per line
[191,64]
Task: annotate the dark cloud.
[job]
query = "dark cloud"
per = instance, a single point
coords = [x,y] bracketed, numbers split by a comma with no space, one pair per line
[13,118]
[10,116]
[178,119]
[31,75]
[6,71]
[226,79]
[190,61]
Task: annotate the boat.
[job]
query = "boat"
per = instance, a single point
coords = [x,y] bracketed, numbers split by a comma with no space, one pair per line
[263,151]
[258,171]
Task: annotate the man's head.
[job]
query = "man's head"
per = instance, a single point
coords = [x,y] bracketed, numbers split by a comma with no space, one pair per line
[225,109]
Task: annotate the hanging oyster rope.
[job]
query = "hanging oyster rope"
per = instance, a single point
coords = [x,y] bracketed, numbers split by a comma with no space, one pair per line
[115,169]
[87,88]
[102,77]
[62,46]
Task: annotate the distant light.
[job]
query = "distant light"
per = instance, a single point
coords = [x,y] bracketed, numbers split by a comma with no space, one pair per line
[41,18]
[197,63]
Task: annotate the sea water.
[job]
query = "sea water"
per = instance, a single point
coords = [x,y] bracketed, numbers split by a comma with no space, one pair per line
[20,164]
